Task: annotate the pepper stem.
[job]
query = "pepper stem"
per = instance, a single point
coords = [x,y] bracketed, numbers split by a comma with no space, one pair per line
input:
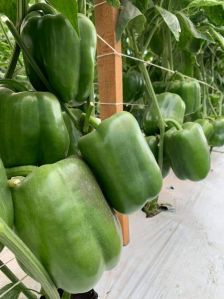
[20,171]
[93,121]
[47,9]
[66,295]
[9,239]
[87,118]
[173,122]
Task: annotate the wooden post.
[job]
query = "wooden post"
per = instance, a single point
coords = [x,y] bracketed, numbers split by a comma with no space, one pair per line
[109,67]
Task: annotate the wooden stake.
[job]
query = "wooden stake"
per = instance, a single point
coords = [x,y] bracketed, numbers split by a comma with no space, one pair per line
[109,66]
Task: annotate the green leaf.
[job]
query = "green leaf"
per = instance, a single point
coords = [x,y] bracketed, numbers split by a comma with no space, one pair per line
[179,4]
[188,29]
[69,10]
[11,294]
[215,14]
[204,3]
[114,3]
[171,21]
[190,39]
[131,16]
[142,5]
[8,8]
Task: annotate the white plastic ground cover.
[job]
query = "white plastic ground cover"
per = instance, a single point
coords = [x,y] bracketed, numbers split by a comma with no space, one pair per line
[178,254]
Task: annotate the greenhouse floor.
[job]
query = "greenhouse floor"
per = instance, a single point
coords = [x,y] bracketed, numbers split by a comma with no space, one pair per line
[176,254]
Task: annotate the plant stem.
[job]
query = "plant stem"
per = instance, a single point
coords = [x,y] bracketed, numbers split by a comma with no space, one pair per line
[220,104]
[167,56]
[13,62]
[152,32]
[6,35]
[87,118]
[8,40]
[82,6]
[27,54]
[93,121]
[161,122]
[11,276]
[28,259]
[21,11]
[152,96]
[210,102]
[66,295]
[206,93]
[161,3]
[75,119]
[20,170]
[174,123]
[170,50]
[202,77]
[47,9]
[92,99]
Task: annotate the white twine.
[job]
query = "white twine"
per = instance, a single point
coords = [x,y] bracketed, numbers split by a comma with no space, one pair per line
[115,52]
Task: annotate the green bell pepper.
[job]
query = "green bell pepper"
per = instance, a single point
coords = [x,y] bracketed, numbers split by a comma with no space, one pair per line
[133,86]
[88,40]
[125,167]
[194,116]
[66,60]
[172,108]
[62,216]
[207,127]
[190,92]
[217,138]
[6,207]
[32,128]
[188,89]
[188,152]
[153,143]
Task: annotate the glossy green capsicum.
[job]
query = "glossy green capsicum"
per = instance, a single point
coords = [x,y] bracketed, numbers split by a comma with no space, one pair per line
[133,86]
[6,206]
[62,216]
[190,92]
[153,143]
[172,108]
[88,41]
[207,127]
[32,128]
[217,138]
[66,59]
[188,89]
[124,165]
[188,152]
